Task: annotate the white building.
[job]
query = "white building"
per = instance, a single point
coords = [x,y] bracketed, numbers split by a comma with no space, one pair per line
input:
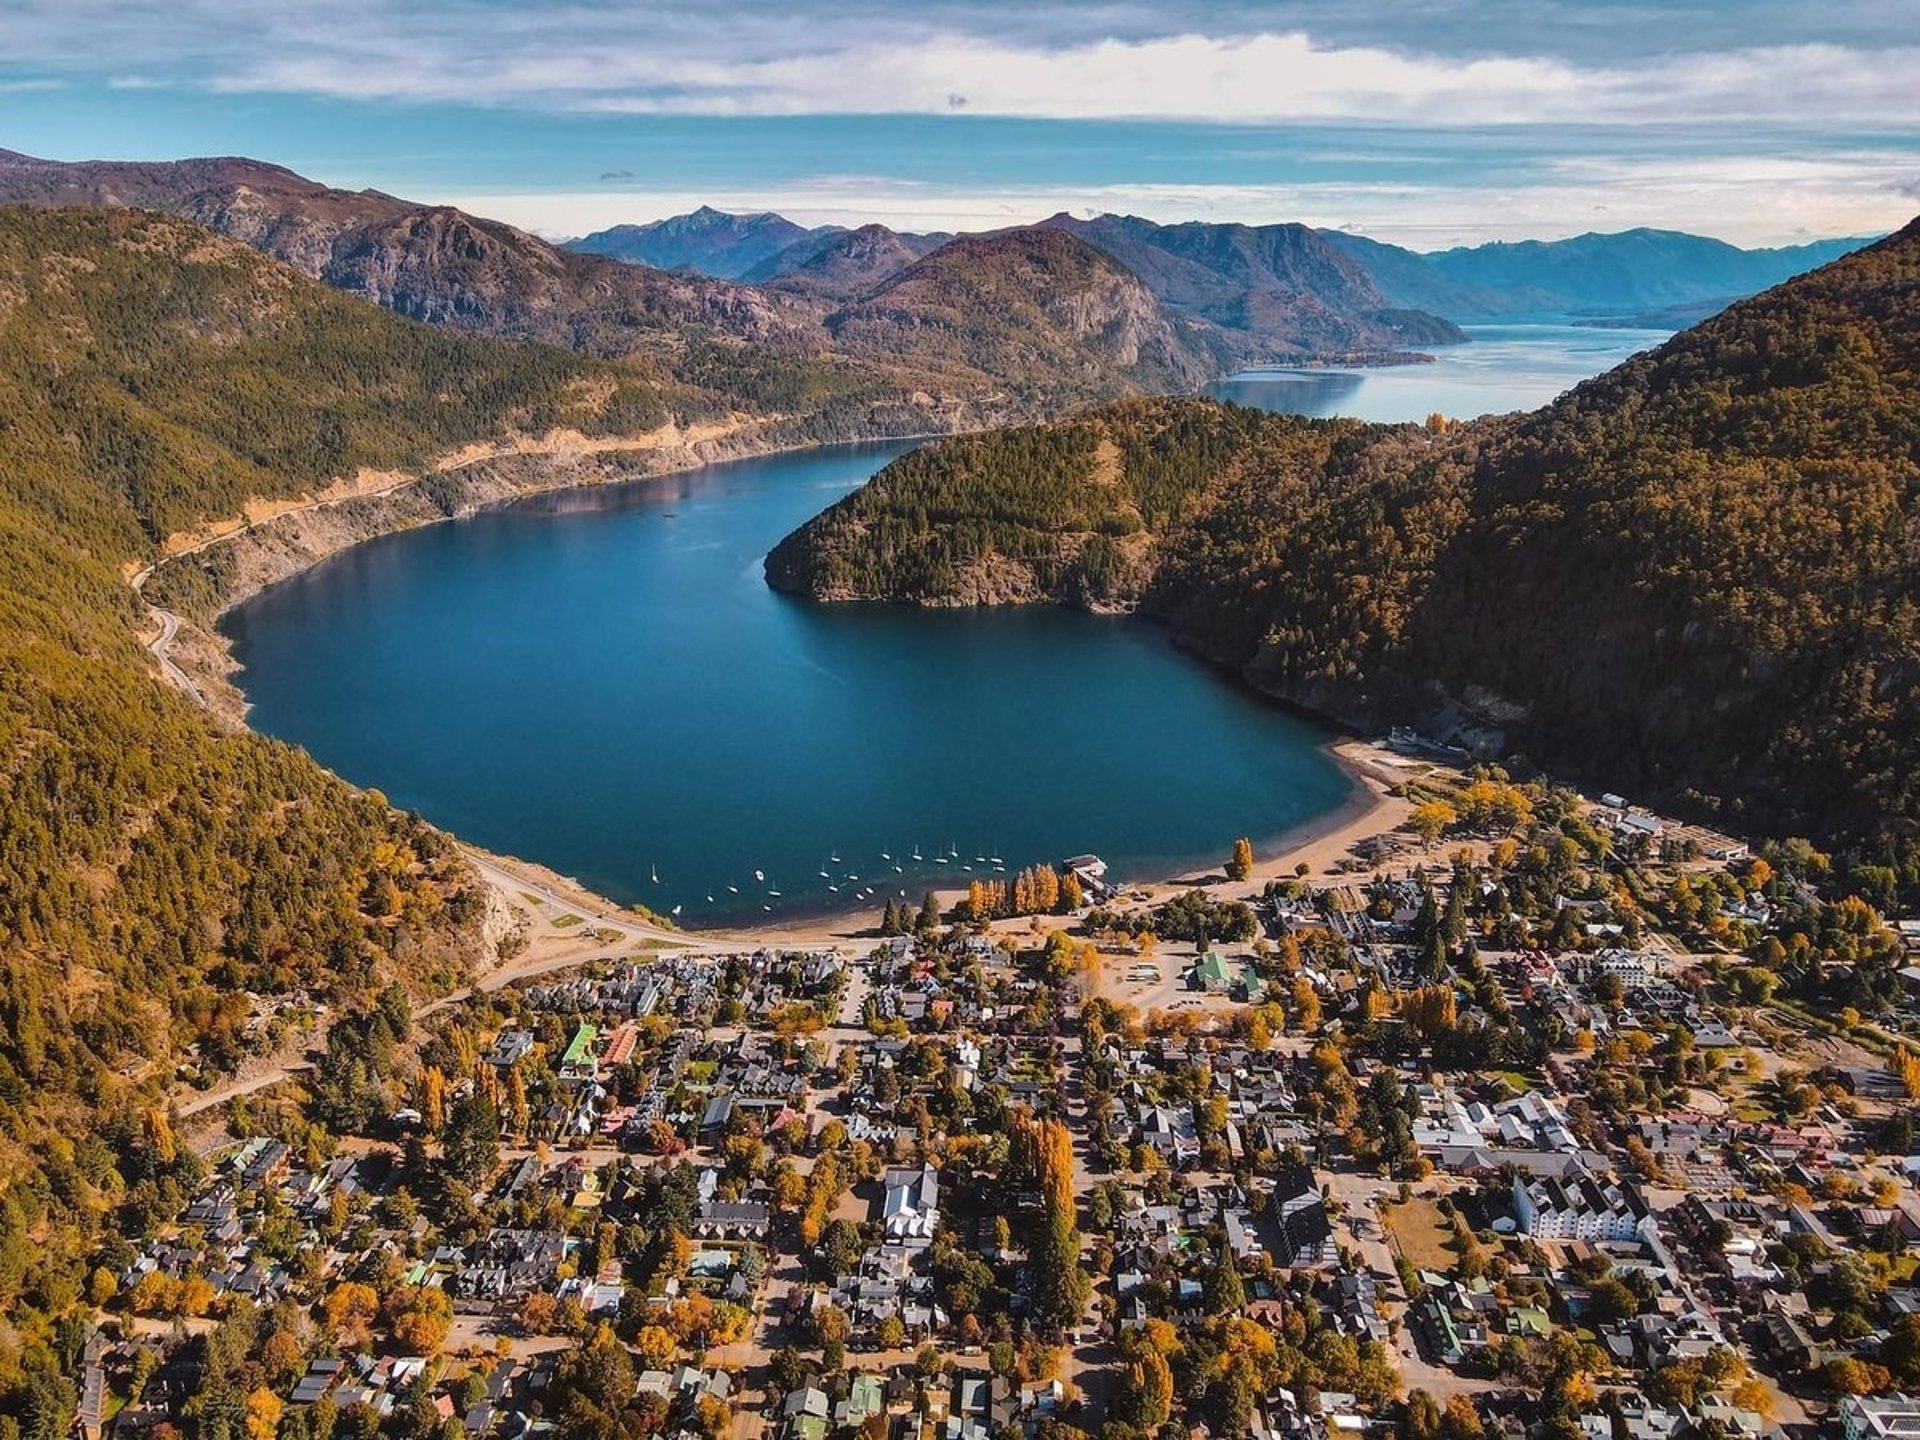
[1579,1209]
[912,1207]
[1870,1418]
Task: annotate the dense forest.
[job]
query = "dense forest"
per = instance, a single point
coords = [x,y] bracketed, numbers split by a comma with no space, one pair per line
[156,870]
[1692,579]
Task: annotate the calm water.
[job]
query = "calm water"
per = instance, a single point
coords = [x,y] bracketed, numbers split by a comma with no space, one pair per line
[1504,367]
[601,681]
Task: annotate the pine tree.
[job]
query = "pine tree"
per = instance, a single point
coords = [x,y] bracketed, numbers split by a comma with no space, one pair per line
[929,915]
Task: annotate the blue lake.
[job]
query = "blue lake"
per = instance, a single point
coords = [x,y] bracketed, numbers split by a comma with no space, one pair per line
[600,680]
[1510,366]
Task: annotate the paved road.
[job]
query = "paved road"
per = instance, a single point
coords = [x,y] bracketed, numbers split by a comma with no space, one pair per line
[162,644]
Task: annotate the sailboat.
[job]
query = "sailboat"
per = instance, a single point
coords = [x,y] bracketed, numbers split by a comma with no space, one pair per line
[759,877]
[916,854]
[656,874]
[674,911]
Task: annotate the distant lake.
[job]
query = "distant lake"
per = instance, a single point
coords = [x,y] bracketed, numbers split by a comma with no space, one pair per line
[1503,367]
[600,681]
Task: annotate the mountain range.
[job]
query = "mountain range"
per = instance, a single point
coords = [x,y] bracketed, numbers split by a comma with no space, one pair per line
[1232,273]
[1692,578]
[827,369]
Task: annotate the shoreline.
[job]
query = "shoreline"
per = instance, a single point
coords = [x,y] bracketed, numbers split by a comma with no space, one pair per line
[1319,842]
[1369,810]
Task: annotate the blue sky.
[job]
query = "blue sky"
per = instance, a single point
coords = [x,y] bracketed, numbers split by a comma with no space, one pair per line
[1427,122]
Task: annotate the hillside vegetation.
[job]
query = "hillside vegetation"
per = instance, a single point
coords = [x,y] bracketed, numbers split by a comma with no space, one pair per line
[828,361]
[153,867]
[1693,578]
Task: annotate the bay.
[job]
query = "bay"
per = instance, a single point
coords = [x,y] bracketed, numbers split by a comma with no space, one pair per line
[601,681]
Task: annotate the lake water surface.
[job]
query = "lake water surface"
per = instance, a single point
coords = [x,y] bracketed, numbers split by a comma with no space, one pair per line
[1504,367]
[601,681]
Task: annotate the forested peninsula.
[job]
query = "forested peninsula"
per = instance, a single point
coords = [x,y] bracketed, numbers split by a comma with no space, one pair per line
[1693,578]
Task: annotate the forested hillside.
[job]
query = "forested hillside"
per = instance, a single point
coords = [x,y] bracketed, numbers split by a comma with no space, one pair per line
[153,867]
[832,361]
[1694,578]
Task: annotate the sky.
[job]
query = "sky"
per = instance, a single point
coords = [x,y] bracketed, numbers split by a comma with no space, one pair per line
[1424,122]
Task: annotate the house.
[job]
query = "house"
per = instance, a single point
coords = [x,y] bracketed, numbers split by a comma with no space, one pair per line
[1579,1209]
[1306,1230]
[581,1063]
[910,1209]
[866,1396]
[510,1047]
[1879,1417]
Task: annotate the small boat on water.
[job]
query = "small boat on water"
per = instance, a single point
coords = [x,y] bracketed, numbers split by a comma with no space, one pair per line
[759,876]
[734,888]
[709,899]
[834,858]
[939,859]
[898,871]
[656,874]
[885,856]
[774,893]
[916,854]
[825,876]
[834,888]
[674,911]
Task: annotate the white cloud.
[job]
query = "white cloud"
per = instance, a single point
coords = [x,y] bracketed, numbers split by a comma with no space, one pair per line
[1476,62]
[1251,79]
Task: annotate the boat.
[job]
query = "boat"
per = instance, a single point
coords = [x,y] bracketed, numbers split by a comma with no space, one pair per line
[939,859]
[674,911]
[898,871]
[886,857]
[656,874]
[834,888]
[734,888]
[774,893]
[709,899]
[825,876]
[834,858]
[916,854]
[759,877]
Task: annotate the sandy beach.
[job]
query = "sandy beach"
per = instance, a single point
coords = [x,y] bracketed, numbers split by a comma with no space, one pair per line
[1321,845]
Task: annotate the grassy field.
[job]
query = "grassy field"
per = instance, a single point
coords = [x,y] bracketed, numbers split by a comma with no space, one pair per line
[1422,1234]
